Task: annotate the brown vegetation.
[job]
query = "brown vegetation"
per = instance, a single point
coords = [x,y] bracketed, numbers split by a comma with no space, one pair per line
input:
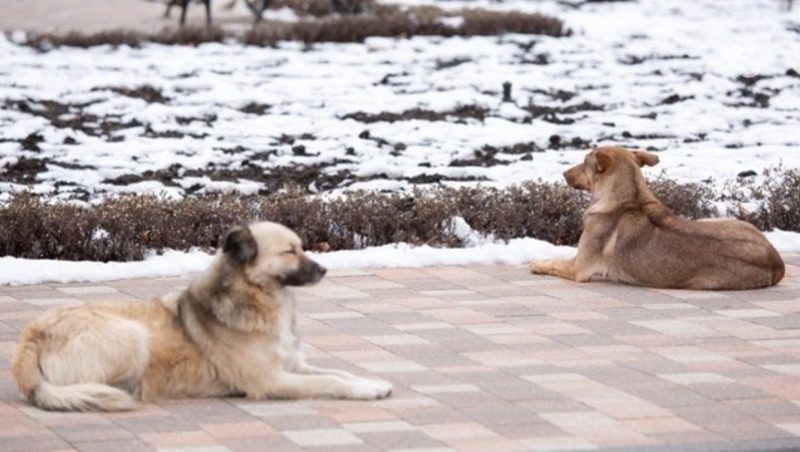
[383,21]
[125,228]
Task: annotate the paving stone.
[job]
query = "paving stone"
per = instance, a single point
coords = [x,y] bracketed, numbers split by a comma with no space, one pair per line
[121,445]
[482,358]
[322,437]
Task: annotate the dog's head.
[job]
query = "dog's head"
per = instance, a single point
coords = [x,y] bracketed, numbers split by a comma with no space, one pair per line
[603,161]
[269,253]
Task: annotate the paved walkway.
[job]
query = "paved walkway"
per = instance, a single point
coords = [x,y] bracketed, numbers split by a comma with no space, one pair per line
[99,15]
[482,358]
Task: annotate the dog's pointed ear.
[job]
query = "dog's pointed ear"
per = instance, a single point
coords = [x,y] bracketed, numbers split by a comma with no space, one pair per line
[240,244]
[602,160]
[645,158]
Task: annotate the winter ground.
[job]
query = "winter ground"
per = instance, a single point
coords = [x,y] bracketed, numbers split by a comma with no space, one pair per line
[713,87]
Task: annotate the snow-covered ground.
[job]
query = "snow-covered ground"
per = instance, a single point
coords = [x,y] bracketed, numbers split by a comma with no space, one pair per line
[684,77]
[712,85]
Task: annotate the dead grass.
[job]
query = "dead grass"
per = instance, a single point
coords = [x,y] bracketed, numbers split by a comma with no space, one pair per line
[319,8]
[124,228]
[385,21]
[777,197]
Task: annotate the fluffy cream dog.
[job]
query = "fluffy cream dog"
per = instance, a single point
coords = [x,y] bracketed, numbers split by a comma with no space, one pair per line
[232,331]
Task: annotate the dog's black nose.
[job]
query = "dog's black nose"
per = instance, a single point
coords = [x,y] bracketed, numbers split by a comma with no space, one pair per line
[322,270]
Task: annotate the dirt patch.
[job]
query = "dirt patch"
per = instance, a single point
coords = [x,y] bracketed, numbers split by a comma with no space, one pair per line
[254,108]
[72,116]
[273,179]
[674,99]
[309,179]
[23,171]
[558,142]
[451,63]
[637,59]
[486,156]
[147,93]
[554,114]
[460,113]
[31,142]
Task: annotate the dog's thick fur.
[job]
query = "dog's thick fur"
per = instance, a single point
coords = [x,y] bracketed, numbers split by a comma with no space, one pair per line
[231,332]
[630,237]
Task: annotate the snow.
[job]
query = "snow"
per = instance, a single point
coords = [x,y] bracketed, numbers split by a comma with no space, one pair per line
[627,57]
[17,271]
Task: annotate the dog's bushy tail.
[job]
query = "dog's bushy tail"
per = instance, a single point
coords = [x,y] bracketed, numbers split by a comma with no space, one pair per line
[82,397]
[76,397]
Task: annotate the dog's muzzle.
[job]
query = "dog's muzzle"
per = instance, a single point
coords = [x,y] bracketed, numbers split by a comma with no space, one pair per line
[576,178]
[309,272]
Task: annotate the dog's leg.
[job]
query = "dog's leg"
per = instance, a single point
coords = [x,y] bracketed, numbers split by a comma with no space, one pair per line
[300,366]
[260,12]
[251,5]
[184,6]
[288,385]
[208,12]
[559,268]
[170,4]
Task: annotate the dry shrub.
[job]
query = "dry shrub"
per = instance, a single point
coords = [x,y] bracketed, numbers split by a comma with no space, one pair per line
[349,28]
[781,207]
[777,196]
[386,21]
[547,211]
[125,228]
[393,22]
[481,22]
[182,36]
[317,8]
[363,218]
[687,200]
[116,38]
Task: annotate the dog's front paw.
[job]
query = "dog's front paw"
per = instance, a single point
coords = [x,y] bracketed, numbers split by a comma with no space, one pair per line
[365,389]
[540,267]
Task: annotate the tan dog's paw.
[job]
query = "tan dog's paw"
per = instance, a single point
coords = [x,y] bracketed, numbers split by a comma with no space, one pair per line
[540,267]
[366,389]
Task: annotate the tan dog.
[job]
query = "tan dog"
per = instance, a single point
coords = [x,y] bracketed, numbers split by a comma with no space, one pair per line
[630,237]
[231,332]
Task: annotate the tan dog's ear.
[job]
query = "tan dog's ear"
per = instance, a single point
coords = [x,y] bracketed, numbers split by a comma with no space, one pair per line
[602,161]
[645,158]
[240,245]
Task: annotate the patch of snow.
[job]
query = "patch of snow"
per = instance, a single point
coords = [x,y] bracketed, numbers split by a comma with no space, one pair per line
[17,271]
[786,242]
[628,57]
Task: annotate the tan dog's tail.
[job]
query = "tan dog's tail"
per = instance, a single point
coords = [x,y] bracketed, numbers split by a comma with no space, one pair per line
[76,397]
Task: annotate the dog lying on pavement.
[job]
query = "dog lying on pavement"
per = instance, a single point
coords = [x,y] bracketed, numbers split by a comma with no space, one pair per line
[231,332]
[630,237]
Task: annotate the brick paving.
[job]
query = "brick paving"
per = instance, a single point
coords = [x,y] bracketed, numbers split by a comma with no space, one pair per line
[482,358]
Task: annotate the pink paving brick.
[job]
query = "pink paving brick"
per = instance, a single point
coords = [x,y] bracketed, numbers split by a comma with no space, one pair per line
[481,357]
